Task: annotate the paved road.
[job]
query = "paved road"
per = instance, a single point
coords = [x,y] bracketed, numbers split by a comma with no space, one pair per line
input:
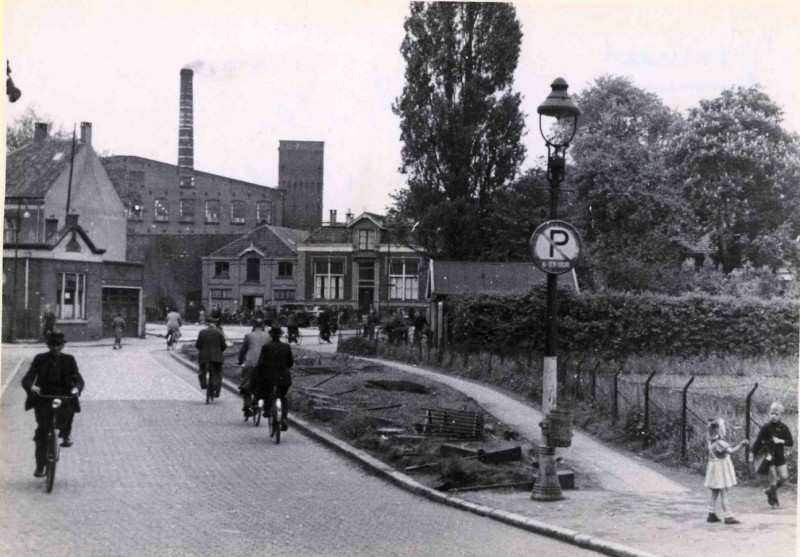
[154,471]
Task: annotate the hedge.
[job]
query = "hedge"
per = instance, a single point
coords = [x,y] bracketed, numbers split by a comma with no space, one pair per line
[625,323]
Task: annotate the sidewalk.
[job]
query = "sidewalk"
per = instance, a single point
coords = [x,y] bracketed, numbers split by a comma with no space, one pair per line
[626,500]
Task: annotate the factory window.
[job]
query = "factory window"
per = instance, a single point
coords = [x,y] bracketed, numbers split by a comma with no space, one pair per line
[161,210]
[212,212]
[187,210]
[264,212]
[237,212]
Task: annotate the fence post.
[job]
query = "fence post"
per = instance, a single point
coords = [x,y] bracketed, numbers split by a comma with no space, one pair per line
[747,412]
[683,418]
[615,403]
[647,402]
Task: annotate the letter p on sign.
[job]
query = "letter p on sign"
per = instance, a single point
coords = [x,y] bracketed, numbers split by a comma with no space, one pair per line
[555,246]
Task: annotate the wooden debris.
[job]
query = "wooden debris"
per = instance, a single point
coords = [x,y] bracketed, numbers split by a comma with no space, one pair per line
[326,413]
[334,376]
[382,407]
[521,485]
[452,423]
[405,386]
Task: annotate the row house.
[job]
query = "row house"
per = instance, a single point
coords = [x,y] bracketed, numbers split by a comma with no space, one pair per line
[361,263]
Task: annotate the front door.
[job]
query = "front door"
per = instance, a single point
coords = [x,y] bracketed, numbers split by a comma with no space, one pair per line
[366,296]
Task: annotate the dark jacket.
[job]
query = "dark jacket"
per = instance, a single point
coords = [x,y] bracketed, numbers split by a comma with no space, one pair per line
[210,345]
[55,377]
[764,440]
[273,366]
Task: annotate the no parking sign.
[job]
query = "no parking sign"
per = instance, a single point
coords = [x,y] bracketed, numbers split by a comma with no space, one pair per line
[555,246]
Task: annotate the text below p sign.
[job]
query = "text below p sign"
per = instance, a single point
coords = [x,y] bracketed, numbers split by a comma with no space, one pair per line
[555,246]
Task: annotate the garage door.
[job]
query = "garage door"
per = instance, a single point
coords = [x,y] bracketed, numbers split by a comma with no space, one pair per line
[124,301]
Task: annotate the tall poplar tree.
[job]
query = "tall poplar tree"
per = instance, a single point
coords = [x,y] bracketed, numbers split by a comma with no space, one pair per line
[461,124]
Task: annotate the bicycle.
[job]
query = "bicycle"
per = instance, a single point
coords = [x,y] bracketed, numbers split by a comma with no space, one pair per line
[324,335]
[53,446]
[213,381]
[293,337]
[173,336]
[275,413]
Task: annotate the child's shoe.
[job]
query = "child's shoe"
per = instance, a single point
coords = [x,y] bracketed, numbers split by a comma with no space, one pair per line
[712,517]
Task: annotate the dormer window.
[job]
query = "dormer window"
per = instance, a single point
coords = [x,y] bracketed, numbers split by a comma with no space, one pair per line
[366,239]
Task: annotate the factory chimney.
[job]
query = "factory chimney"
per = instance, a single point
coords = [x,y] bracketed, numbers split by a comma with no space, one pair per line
[186,131]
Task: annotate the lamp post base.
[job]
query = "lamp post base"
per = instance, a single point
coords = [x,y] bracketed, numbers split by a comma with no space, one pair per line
[547,486]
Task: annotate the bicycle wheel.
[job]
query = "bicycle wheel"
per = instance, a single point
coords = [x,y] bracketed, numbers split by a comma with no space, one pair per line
[270,421]
[257,414]
[276,419]
[52,459]
[209,388]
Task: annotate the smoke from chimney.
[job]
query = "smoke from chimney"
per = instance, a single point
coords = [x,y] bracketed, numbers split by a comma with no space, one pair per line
[186,130]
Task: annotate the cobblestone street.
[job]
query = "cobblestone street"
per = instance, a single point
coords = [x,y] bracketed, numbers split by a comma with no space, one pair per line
[155,471]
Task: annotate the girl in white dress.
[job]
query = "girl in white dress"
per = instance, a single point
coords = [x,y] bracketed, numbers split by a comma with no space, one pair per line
[720,475]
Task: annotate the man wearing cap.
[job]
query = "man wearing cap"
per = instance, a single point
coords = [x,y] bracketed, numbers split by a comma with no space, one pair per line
[52,373]
[272,370]
[249,354]
[210,346]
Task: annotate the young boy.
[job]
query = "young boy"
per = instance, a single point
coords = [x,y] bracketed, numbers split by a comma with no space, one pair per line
[773,438]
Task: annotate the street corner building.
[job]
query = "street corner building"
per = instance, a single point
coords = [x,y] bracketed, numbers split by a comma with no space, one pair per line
[65,243]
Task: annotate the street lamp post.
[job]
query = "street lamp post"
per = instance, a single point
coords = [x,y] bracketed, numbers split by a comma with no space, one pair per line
[560,106]
[17,225]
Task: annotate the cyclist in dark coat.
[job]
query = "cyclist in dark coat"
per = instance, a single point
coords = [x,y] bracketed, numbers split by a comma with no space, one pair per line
[53,374]
[210,346]
[273,370]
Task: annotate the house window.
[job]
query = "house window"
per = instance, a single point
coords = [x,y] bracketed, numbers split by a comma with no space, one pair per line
[283,295]
[264,212]
[9,230]
[161,210]
[221,294]
[221,269]
[253,269]
[285,269]
[329,279]
[133,211]
[404,279]
[212,212]
[187,210]
[71,296]
[50,228]
[237,212]
[366,239]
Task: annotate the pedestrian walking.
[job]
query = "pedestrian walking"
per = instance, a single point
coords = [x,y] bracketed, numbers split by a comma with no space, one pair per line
[720,475]
[119,327]
[249,354]
[769,450]
[48,322]
[210,345]
[52,373]
[273,371]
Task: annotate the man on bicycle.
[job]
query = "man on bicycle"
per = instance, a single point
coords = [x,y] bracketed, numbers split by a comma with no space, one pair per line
[324,321]
[210,346]
[249,354]
[52,374]
[174,322]
[292,330]
[272,371]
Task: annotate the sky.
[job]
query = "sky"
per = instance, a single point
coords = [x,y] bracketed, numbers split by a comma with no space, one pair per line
[329,70]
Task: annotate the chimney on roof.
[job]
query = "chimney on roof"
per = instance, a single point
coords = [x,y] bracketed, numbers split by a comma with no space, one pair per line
[40,132]
[186,130]
[86,133]
[348,217]
[333,217]
[72,219]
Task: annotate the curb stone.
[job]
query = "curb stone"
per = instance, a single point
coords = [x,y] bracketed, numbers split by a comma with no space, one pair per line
[409,484]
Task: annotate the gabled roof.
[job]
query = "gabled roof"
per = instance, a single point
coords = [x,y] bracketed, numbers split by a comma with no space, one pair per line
[73,229]
[449,278]
[274,241]
[33,168]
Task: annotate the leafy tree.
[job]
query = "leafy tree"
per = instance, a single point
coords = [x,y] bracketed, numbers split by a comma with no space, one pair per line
[21,131]
[739,171]
[631,217]
[461,124]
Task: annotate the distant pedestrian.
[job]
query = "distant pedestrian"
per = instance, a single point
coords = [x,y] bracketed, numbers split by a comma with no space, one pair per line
[769,448]
[720,475]
[48,322]
[119,326]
